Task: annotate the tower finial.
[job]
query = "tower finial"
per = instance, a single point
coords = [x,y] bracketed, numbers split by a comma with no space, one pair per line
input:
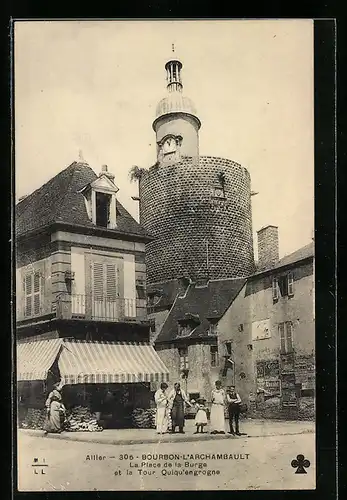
[173,69]
[80,156]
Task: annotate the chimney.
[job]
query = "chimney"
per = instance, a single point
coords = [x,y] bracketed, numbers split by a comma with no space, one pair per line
[104,171]
[268,249]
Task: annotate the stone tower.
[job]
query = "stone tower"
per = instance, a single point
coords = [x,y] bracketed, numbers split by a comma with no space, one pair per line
[198,208]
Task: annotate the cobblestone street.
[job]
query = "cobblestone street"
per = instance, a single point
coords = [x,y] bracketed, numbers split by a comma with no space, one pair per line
[243,463]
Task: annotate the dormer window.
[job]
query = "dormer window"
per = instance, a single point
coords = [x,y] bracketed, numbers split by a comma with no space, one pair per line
[100,200]
[184,329]
[102,209]
[212,330]
[187,324]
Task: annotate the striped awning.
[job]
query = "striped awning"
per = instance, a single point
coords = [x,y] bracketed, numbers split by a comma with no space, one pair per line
[34,359]
[87,362]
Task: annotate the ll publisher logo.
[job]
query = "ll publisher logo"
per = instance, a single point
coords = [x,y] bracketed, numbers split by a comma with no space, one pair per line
[39,466]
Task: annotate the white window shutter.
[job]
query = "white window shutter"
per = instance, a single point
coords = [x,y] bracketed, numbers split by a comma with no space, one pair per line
[98,280]
[290,284]
[282,337]
[111,282]
[274,288]
[28,288]
[36,293]
[289,336]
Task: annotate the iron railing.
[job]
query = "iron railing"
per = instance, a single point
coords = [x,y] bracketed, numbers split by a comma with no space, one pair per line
[99,308]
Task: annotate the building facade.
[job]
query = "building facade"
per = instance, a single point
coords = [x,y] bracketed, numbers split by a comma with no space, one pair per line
[269,331]
[81,314]
[80,261]
[187,331]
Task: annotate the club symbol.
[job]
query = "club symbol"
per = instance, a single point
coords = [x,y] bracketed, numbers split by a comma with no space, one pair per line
[300,464]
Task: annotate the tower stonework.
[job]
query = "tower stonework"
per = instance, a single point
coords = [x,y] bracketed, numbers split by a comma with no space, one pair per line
[197,208]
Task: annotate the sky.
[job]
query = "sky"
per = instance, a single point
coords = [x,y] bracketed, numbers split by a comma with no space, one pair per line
[93,86]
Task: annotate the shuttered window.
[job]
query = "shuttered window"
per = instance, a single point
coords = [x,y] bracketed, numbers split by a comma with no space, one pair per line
[290,284]
[286,336]
[274,289]
[282,337]
[289,336]
[106,302]
[104,281]
[32,288]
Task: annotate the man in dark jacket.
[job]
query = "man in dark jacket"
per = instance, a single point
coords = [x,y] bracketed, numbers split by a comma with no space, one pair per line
[234,402]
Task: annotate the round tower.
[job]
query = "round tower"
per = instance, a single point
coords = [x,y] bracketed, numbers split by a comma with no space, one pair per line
[197,208]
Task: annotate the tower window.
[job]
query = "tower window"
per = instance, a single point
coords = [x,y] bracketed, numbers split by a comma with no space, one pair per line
[218,192]
[102,209]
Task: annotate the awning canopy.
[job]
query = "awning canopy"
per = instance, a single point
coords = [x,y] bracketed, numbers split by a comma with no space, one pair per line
[34,359]
[87,362]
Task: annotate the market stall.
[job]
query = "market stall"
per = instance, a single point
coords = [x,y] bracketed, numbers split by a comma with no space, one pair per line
[105,384]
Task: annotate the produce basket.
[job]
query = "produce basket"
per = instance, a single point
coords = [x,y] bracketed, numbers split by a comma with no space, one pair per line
[81,419]
[143,418]
[34,419]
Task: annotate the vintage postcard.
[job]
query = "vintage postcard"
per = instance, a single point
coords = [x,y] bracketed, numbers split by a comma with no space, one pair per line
[165,255]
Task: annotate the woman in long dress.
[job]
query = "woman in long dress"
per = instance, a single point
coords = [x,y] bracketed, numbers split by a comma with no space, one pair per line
[55,409]
[217,422]
[161,401]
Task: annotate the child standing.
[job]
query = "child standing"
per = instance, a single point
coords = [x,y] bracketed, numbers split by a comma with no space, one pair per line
[201,416]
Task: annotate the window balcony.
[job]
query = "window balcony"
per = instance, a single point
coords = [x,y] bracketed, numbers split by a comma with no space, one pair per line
[118,309]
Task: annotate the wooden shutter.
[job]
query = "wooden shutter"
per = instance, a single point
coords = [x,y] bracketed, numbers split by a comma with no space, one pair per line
[28,294]
[274,289]
[105,290]
[37,293]
[289,336]
[98,281]
[33,287]
[282,337]
[111,282]
[290,284]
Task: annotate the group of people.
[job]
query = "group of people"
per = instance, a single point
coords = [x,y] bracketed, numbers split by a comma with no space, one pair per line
[172,405]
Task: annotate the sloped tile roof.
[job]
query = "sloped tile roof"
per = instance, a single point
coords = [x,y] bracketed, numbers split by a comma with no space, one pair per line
[59,201]
[167,291]
[208,302]
[300,254]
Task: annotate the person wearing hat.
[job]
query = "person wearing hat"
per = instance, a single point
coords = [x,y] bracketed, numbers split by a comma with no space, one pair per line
[234,402]
[55,410]
[201,415]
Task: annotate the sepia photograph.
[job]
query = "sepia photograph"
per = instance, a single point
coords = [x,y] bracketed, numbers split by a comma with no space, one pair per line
[164,255]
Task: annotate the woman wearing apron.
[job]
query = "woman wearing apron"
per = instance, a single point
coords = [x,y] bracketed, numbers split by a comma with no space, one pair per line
[217,410]
[177,398]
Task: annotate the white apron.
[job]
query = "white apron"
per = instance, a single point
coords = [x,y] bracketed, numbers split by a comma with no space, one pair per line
[217,422]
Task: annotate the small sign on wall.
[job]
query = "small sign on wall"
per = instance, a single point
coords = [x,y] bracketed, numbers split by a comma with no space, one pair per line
[261,329]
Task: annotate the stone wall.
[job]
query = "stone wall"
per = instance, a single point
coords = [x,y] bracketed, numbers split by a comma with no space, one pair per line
[182,207]
[201,376]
